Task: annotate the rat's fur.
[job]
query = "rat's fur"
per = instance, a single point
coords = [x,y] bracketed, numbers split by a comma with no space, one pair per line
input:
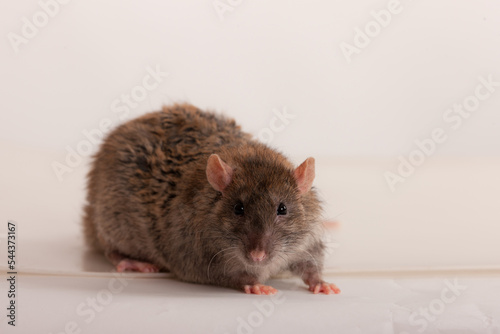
[149,200]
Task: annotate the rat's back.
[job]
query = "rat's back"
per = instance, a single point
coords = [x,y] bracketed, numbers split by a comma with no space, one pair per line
[135,173]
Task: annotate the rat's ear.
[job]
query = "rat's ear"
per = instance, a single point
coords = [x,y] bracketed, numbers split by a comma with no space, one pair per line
[304,175]
[219,174]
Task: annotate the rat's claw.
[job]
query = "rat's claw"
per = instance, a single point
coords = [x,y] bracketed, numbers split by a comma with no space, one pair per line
[133,265]
[326,288]
[259,289]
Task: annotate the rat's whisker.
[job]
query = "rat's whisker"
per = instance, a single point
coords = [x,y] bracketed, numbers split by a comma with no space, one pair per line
[228,260]
[281,256]
[213,257]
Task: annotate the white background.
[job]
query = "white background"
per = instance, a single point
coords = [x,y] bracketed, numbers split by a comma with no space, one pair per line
[261,56]
[265,56]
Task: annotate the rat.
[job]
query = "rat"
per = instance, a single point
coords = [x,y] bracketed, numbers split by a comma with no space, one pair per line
[186,191]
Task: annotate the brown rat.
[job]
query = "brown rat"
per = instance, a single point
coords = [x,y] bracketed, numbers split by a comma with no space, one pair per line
[186,191]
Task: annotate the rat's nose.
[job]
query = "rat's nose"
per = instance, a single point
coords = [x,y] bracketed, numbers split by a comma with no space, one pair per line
[257,255]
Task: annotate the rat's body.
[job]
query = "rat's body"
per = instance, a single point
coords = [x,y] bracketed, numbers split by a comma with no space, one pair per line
[188,192]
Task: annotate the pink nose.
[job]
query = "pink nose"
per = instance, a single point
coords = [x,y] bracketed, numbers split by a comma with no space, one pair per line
[258,256]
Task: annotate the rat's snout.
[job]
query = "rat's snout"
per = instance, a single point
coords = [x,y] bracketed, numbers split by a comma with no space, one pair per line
[258,255]
[258,248]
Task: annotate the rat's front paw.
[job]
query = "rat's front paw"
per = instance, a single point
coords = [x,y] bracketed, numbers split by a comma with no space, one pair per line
[259,289]
[326,288]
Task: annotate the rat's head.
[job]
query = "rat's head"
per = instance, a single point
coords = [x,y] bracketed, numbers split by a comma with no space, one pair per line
[267,209]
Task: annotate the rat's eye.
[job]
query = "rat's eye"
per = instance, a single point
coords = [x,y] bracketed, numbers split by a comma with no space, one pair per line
[281,209]
[238,209]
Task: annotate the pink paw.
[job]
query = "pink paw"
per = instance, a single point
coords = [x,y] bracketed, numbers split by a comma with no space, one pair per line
[259,289]
[326,288]
[133,265]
